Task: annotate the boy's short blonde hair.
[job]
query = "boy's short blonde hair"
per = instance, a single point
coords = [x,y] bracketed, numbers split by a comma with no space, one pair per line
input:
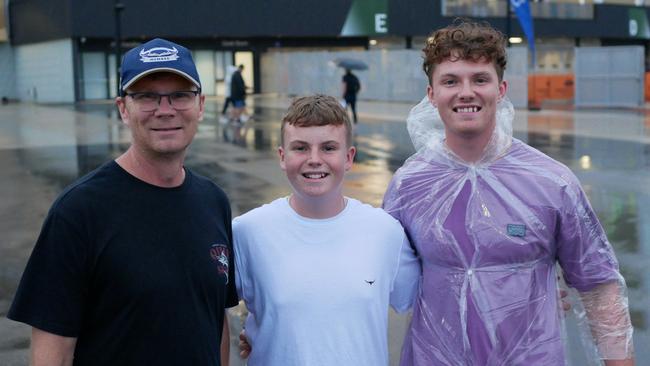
[317,110]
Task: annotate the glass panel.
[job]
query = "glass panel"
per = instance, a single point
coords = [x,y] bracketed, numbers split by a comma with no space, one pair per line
[223,59]
[246,58]
[474,8]
[112,79]
[94,75]
[205,66]
[568,9]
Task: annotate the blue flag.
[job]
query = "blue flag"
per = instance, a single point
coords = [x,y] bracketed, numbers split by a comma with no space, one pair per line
[522,9]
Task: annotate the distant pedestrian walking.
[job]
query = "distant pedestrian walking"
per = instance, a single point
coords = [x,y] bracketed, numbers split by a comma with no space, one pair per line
[351,87]
[238,94]
[230,69]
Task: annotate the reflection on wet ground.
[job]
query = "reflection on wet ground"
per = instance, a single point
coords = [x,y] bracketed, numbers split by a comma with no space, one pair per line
[43,149]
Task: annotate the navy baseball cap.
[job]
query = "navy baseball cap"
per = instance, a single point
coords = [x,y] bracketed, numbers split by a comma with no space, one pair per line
[157,55]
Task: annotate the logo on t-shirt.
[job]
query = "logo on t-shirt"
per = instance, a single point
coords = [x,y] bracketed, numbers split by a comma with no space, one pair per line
[220,255]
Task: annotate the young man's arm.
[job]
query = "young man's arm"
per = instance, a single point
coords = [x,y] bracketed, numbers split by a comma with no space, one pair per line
[225,341]
[589,265]
[610,323]
[49,349]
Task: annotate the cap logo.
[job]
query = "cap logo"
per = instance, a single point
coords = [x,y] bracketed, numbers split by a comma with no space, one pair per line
[159,54]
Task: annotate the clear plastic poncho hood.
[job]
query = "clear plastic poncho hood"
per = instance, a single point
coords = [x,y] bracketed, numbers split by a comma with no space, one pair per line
[489,234]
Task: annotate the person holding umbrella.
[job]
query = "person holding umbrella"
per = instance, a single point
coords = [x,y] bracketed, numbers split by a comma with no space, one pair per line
[350,83]
[351,87]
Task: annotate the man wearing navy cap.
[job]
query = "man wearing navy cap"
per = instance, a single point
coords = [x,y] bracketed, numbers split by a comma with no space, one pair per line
[133,265]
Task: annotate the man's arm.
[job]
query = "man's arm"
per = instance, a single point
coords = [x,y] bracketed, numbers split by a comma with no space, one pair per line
[50,349]
[225,341]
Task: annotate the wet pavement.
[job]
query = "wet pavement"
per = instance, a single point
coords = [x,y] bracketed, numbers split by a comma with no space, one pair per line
[45,148]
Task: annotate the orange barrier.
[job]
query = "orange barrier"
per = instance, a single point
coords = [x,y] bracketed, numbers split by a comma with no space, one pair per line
[550,86]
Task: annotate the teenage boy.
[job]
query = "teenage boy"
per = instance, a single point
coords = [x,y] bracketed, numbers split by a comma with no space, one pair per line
[491,217]
[134,263]
[316,269]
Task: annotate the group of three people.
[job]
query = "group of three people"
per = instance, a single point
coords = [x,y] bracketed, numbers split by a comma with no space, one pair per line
[135,263]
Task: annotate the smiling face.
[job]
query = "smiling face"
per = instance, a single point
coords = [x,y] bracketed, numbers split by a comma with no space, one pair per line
[164,131]
[315,160]
[466,94]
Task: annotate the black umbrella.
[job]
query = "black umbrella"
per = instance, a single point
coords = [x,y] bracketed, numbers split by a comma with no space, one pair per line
[350,64]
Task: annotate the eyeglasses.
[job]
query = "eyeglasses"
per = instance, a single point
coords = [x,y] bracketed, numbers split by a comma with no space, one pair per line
[150,101]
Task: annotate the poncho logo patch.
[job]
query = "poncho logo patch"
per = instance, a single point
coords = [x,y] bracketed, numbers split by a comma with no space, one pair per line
[516,230]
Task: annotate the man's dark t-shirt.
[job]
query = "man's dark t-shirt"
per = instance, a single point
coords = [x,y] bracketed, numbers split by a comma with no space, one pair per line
[139,274]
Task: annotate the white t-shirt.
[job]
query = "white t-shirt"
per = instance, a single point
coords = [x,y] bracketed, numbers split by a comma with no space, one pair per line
[318,291]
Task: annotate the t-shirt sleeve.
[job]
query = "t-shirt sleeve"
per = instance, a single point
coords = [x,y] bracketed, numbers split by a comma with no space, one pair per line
[53,290]
[586,256]
[407,278]
[240,260]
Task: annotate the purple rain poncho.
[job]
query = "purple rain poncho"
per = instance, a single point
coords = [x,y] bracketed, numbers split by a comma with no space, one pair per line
[489,235]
